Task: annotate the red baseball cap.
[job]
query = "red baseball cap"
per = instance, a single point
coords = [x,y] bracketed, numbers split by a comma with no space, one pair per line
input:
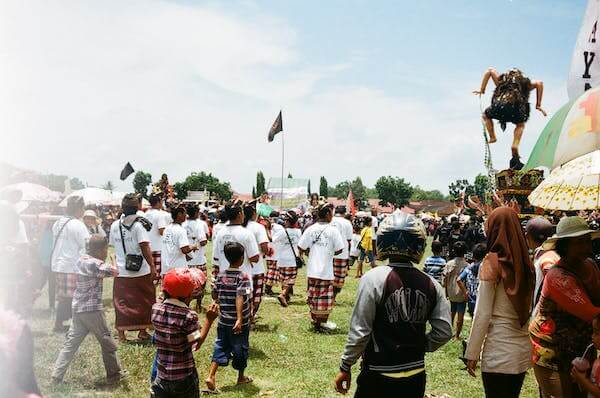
[178,282]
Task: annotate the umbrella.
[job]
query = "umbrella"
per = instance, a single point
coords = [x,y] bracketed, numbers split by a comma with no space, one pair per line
[573,131]
[573,186]
[118,198]
[33,192]
[92,197]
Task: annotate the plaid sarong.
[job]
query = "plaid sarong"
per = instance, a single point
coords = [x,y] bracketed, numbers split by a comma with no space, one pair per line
[320,298]
[65,284]
[257,292]
[340,270]
[272,273]
[287,275]
[157,261]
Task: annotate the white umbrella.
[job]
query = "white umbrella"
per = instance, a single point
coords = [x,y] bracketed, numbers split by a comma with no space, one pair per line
[572,186]
[91,197]
[33,192]
[118,198]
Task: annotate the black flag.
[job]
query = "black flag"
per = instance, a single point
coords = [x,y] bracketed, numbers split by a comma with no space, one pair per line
[276,127]
[127,171]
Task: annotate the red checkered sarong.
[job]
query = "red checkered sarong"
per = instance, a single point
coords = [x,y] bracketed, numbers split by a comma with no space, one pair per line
[65,285]
[320,298]
[340,270]
[157,261]
[287,275]
[272,273]
[257,292]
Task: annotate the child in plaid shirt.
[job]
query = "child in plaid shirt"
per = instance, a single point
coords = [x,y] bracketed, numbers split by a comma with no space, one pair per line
[176,335]
[88,317]
[233,292]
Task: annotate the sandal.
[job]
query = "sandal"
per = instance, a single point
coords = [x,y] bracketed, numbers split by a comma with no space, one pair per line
[247,380]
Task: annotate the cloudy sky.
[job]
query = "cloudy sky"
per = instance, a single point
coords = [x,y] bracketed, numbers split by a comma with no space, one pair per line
[367,88]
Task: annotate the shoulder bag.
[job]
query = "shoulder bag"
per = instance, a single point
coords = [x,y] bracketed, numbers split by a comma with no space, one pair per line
[299,260]
[133,262]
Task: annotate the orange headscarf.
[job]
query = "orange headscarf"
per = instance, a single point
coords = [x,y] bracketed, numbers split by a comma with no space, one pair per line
[505,238]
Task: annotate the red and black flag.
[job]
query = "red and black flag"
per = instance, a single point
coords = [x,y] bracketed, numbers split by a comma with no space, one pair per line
[127,171]
[276,127]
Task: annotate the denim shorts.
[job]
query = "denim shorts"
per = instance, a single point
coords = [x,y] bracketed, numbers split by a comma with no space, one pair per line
[457,306]
[368,254]
[232,346]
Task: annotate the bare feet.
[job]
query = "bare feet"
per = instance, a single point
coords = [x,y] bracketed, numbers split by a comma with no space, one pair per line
[122,336]
[144,336]
[282,300]
[210,384]
[245,380]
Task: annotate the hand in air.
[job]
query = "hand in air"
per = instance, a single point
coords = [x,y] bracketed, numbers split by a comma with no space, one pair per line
[479,93]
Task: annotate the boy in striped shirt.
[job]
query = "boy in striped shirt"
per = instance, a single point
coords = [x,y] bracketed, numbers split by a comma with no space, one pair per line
[233,293]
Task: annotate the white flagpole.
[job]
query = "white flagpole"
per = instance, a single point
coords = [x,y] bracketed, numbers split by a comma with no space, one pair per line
[282,157]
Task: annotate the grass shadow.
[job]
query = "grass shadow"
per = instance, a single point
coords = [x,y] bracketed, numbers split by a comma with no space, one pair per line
[247,390]
[264,328]
[255,353]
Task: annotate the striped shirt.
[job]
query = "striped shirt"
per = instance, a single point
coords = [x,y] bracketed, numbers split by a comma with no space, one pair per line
[229,285]
[175,329]
[434,266]
[89,272]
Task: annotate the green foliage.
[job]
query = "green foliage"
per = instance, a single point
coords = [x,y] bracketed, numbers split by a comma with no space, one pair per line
[109,186]
[359,191]
[323,188]
[53,182]
[422,194]
[459,186]
[141,181]
[481,185]
[253,193]
[201,181]
[309,192]
[260,183]
[290,175]
[76,183]
[393,191]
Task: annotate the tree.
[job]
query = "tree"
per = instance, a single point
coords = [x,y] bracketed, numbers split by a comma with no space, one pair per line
[109,186]
[76,183]
[141,181]
[260,183]
[393,191]
[203,181]
[309,188]
[459,186]
[359,191]
[253,192]
[481,186]
[290,175]
[421,194]
[323,188]
[53,182]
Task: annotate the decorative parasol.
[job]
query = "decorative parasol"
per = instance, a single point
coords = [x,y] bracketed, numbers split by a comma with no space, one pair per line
[573,186]
[33,192]
[573,131]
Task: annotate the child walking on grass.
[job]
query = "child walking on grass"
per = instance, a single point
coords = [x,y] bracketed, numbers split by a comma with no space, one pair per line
[233,292]
[177,336]
[88,315]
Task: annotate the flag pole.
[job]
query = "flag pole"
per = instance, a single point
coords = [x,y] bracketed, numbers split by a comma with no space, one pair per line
[282,157]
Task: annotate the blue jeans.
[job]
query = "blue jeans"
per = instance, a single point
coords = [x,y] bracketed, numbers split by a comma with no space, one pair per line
[368,254]
[232,346]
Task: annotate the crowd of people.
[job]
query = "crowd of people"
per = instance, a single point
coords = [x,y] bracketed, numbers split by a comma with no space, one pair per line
[532,291]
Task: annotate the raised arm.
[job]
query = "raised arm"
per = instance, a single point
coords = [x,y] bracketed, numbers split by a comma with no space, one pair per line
[490,72]
[538,85]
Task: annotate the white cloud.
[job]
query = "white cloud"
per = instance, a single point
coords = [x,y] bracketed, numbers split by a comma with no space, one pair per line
[88,86]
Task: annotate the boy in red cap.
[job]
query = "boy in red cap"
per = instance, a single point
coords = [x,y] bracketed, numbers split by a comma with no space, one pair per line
[233,292]
[177,336]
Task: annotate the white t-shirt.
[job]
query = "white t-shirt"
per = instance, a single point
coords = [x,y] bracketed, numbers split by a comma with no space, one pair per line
[234,233]
[354,245]
[132,237]
[345,228]
[283,250]
[374,225]
[204,225]
[159,221]
[274,229]
[21,236]
[167,216]
[323,240]
[260,234]
[173,239]
[70,245]
[217,227]
[195,233]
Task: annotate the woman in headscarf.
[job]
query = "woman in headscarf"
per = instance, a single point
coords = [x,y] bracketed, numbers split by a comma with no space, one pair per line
[503,308]
[570,299]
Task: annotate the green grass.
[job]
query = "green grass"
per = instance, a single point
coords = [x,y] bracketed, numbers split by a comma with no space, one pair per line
[286,358]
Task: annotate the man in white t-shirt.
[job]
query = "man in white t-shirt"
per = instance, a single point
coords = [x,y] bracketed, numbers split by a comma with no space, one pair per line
[70,239]
[322,242]
[156,216]
[258,270]
[340,261]
[197,236]
[285,242]
[233,231]
[134,292]
[176,248]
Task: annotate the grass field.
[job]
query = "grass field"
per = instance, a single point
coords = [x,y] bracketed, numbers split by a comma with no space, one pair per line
[286,358]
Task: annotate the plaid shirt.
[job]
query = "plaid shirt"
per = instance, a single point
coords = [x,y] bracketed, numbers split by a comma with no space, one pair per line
[88,291]
[230,284]
[175,329]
